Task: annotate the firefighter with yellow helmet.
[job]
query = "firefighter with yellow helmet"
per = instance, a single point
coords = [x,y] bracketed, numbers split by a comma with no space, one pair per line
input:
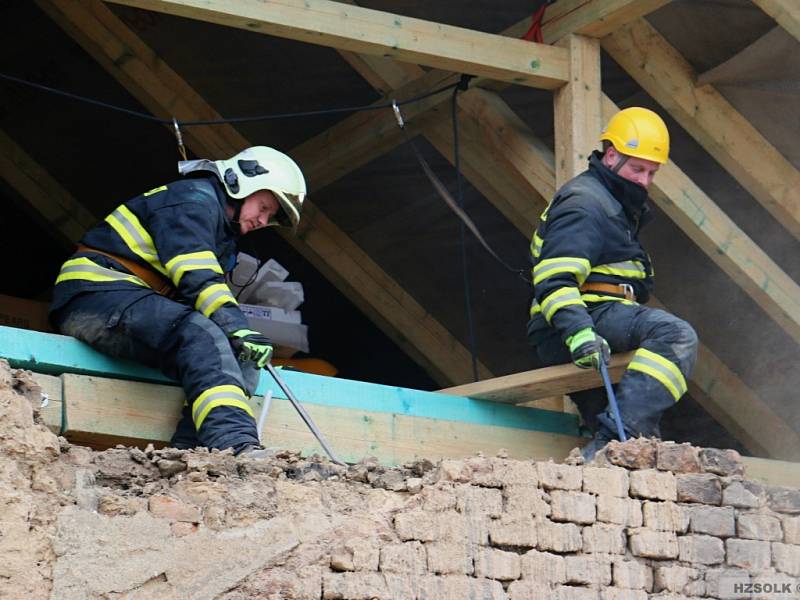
[148,284]
[591,278]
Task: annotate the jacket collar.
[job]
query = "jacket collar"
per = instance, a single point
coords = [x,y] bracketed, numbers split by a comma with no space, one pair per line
[631,196]
[224,200]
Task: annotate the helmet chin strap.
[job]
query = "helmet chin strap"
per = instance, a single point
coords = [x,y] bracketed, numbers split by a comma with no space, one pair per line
[623,158]
[237,210]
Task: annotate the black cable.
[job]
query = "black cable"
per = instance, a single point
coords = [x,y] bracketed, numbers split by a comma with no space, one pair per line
[462,232]
[155,119]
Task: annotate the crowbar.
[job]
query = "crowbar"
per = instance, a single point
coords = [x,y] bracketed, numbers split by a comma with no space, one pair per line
[304,415]
[612,400]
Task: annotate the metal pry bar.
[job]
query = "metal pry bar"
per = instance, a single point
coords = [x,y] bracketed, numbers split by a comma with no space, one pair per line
[304,415]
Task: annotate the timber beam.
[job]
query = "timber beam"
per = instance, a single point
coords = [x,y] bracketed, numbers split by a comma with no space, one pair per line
[710,119]
[165,93]
[56,206]
[366,31]
[785,12]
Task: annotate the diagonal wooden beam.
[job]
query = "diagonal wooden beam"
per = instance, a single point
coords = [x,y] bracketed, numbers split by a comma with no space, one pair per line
[715,386]
[162,91]
[785,12]
[59,209]
[716,125]
[368,31]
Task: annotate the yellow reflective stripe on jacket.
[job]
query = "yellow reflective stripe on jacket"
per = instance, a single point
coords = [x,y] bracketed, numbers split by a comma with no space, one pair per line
[535,308]
[664,371]
[84,269]
[630,269]
[193,261]
[212,297]
[536,245]
[127,225]
[559,299]
[221,395]
[579,267]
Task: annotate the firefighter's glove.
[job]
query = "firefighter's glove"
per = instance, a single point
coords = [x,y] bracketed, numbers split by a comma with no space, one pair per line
[251,345]
[588,349]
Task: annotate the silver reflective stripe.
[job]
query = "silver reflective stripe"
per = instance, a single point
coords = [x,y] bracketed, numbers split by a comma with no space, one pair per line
[207,263]
[679,385]
[98,270]
[212,298]
[198,409]
[145,247]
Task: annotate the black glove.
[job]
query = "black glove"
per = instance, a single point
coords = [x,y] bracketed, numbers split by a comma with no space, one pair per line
[251,345]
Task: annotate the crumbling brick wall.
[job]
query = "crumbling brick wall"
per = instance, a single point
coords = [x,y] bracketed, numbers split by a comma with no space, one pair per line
[647,520]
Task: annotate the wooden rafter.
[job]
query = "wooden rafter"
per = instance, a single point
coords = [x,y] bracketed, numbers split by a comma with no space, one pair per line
[716,125]
[163,92]
[57,207]
[785,12]
[366,31]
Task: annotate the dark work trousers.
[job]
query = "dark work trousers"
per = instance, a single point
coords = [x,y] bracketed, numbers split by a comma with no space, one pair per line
[182,343]
[642,399]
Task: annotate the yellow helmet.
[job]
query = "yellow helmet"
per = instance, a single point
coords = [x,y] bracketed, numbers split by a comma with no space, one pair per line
[638,132]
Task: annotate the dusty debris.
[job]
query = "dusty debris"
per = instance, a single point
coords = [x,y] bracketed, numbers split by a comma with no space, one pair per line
[649,518]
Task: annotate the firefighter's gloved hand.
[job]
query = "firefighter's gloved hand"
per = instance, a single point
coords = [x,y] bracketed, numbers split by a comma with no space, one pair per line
[588,349]
[251,345]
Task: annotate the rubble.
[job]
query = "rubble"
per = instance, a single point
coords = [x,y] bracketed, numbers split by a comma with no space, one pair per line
[649,519]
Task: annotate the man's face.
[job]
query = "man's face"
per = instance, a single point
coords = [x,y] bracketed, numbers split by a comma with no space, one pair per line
[638,170]
[257,210]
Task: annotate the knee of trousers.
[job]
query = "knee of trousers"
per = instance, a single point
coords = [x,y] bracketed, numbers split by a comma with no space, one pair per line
[206,353]
[678,338]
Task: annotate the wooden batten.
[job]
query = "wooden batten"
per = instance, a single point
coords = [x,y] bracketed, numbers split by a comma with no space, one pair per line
[540,383]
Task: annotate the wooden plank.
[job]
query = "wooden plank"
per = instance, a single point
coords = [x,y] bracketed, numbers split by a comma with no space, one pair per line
[57,354]
[378,33]
[710,119]
[52,411]
[394,439]
[58,208]
[785,12]
[540,383]
[577,108]
[332,252]
[102,412]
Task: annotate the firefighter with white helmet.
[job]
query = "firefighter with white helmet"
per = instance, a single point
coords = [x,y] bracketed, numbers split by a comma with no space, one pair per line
[591,278]
[148,284]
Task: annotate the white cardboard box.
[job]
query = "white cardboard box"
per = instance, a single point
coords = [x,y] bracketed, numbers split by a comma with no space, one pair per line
[283,327]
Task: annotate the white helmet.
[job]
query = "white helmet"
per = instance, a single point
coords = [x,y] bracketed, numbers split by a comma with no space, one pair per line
[259,168]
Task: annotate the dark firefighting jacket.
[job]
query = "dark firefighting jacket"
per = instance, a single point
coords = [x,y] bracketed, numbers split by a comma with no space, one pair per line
[181,231]
[589,233]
